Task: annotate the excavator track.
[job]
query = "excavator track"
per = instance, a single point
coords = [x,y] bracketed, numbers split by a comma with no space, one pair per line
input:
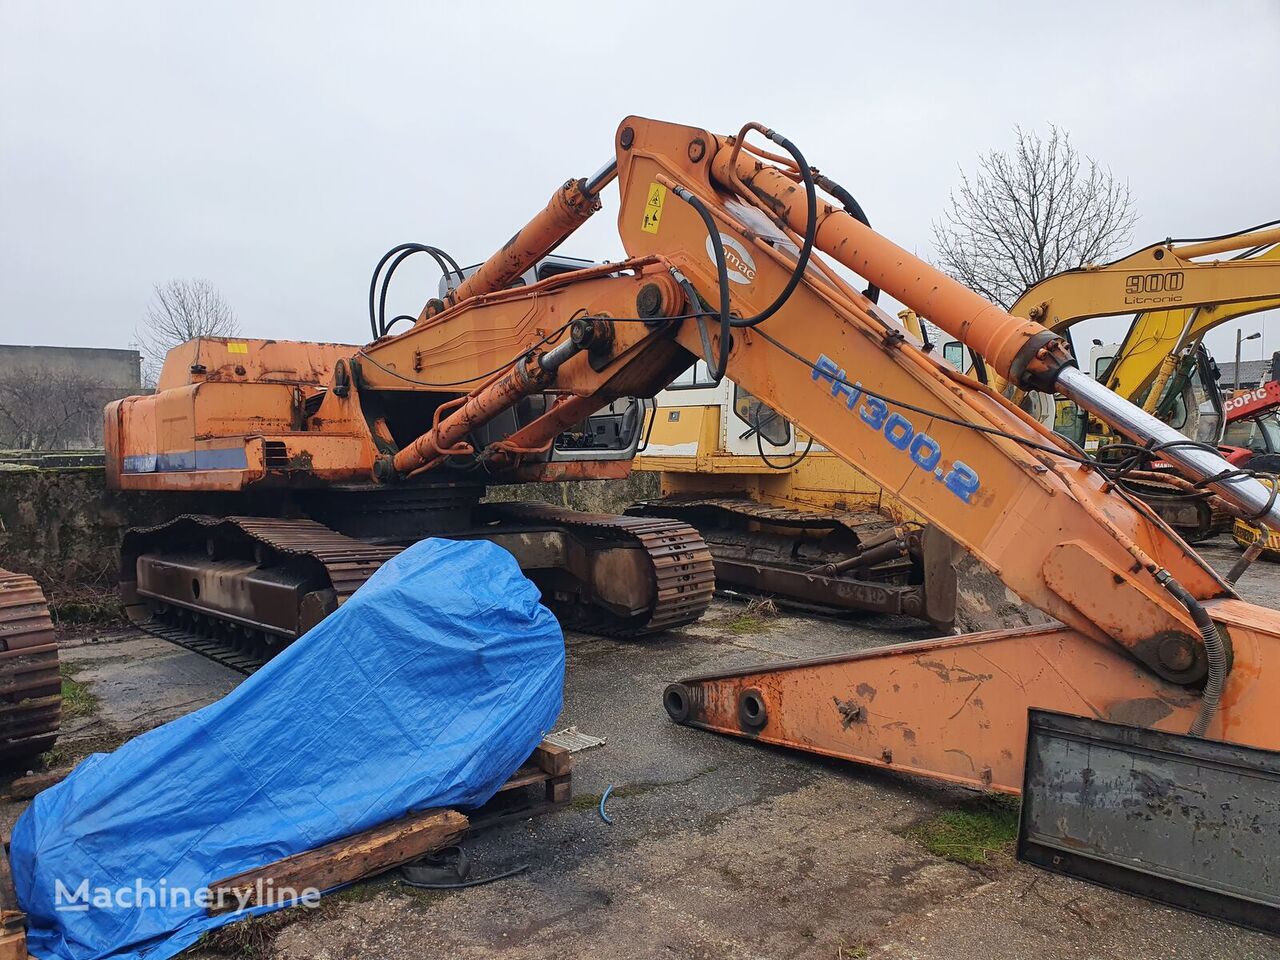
[236,639]
[756,549]
[30,681]
[239,589]
[683,570]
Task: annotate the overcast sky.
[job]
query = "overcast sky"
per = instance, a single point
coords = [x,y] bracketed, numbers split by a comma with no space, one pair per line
[278,149]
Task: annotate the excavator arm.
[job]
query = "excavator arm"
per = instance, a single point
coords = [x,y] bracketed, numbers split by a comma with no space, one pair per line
[727,246]
[1177,299]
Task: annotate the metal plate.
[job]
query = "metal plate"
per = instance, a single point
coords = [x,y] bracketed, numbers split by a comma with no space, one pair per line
[1188,822]
[574,740]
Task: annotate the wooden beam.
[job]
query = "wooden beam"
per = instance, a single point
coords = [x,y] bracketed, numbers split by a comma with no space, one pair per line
[340,862]
[24,788]
[381,848]
[552,760]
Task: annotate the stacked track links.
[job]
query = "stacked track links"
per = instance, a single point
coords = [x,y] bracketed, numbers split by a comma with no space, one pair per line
[30,682]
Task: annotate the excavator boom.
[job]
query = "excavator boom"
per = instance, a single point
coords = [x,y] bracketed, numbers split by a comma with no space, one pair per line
[708,221]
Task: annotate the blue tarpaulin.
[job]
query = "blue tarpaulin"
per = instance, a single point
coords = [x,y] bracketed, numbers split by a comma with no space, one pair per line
[427,688]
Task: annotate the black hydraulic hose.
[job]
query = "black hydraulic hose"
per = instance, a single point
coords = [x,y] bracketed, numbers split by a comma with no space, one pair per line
[727,320]
[810,232]
[1223,236]
[722,281]
[440,256]
[764,458]
[464,884]
[1214,648]
[980,368]
[383,326]
[394,320]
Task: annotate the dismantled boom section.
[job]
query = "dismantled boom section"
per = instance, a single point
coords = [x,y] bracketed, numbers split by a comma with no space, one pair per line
[833,560]
[956,709]
[30,681]
[241,589]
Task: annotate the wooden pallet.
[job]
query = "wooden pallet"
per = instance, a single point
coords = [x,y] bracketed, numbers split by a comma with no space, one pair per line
[541,786]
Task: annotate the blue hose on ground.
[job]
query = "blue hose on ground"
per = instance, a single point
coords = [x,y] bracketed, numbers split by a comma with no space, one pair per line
[604,797]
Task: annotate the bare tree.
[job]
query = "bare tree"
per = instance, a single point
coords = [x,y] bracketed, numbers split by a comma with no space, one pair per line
[44,408]
[1027,214]
[182,310]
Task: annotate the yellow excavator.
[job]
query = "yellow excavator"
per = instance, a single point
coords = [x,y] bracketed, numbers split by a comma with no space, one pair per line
[783,516]
[1177,296]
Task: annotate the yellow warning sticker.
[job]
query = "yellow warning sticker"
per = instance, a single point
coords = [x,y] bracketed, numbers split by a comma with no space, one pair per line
[237,348]
[653,208]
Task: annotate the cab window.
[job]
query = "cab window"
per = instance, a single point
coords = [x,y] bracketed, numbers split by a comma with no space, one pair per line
[696,377]
[772,426]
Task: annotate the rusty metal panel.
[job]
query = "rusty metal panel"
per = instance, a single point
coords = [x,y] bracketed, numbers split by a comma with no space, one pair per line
[1190,822]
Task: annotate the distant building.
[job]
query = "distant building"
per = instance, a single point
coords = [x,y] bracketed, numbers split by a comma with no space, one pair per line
[51,398]
[1252,373]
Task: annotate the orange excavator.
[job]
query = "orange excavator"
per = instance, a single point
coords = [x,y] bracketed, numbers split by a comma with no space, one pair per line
[731,255]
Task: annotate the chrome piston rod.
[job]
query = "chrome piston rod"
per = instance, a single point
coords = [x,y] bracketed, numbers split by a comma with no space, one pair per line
[1245,493]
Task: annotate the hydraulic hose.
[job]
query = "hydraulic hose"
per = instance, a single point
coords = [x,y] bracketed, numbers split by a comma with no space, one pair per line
[727,321]
[376,326]
[722,281]
[810,233]
[1215,649]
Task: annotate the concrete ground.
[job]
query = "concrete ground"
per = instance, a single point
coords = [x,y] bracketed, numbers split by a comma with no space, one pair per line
[719,848]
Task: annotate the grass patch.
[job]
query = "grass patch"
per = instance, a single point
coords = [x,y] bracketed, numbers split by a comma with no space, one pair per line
[68,756]
[362,891]
[744,624]
[85,604]
[980,833]
[77,701]
[54,757]
[755,618]
[250,938]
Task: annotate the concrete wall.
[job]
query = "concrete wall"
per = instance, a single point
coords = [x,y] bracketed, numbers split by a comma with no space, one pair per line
[110,368]
[592,496]
[52,397]
[64,526]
